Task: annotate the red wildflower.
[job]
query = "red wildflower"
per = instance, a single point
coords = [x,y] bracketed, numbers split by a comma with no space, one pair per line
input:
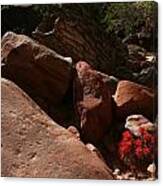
[141,147]
[146,151]
[153,139]
[124,148]
[147,136]
[127,136]
[139,152]
[138,143]
[142,130]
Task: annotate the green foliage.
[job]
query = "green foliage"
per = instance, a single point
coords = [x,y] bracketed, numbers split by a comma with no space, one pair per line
[131,17]
[24,19]
[46,10]
[116,18]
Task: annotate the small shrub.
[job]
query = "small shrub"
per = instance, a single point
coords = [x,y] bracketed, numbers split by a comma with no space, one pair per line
[132,17]
[137,151]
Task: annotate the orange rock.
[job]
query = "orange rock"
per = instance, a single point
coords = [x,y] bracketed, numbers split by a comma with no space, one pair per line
[132,98]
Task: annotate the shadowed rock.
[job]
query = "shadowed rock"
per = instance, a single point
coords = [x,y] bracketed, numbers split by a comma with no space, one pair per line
[41,72]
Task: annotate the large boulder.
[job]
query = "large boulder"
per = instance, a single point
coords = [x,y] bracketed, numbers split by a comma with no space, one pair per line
[35,146]
[41,72]
[132,98]
[93,103]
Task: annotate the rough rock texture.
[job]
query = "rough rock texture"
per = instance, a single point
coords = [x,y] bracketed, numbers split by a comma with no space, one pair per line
[93,102]
[132,98]
[135,122]
[35,146]
[74,131]
[41,72]
[71,31]
[110,81]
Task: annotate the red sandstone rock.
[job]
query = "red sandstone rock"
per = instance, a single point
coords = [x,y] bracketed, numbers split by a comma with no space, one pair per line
[41,72]
[35,146]
[93,102]
[132,98]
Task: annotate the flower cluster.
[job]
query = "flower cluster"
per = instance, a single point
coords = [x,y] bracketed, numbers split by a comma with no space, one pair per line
[125,144]
[137,148]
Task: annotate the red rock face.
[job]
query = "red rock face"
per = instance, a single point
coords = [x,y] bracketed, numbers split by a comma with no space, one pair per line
[33,145]
[41,72]
[93,103]
[132,98]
